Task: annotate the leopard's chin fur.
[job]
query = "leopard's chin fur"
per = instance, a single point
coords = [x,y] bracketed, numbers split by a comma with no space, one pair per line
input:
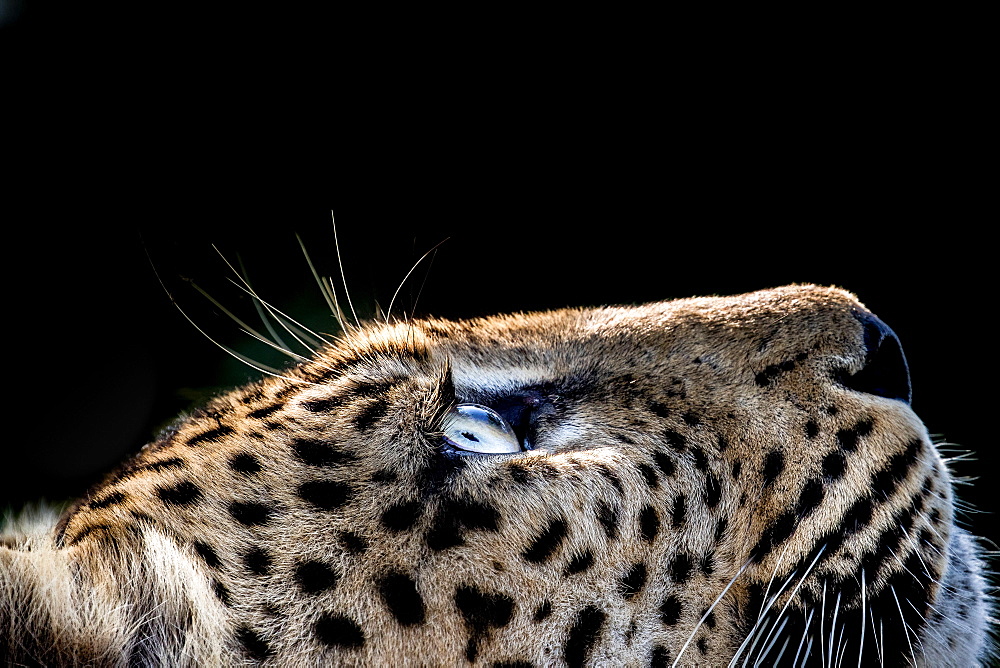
[710,481]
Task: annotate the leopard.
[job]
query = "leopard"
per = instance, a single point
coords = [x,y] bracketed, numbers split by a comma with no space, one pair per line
[710,481]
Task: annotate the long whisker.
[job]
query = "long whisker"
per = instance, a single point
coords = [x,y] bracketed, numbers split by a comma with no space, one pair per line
[709,611]
[242,358]
[805,634]
[769,602]
[343,278]
[764,652]
[902,619]
[246,360]
[833,627]
[864,610]
[262,312]
[315,339]
[328,292]
[392,301]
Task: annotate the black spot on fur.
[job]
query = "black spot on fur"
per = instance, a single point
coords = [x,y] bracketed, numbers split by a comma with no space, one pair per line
[399,592]
[182,494]
[812,429]
[338,631]
[262,413]
[707,563]
[163,464]
[323,405]
[222,593]
[649,474]
[700,460]
[896,470]
[254,644]
[250,514]
[649,523]
[88,531]
[610,476]
[775,534]
[674,439]
[737,468]
[608,517]
[848,438]
[519,474]
[325,494]
[314,577]
[352,542]
[774,464]
[371,413]
[583,636]
[720,528]
[375,388]
[678,512]
[579,563]
[772,371]
[207,553]
[210,435]
[457,515]
[318,453]
[680,568]
[545,545]
[402,516]
[833,465]
[384,476]
[858,516]
[482,613]
[633,581]
[691,419]
[257,561]
[713,490]
[244,463]
[112,499]
[660,657]
[664,463]
[543,611]
[670,610]
[811,496]
[659,409]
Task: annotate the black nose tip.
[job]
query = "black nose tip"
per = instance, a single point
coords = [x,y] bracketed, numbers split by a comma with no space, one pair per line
[885,372]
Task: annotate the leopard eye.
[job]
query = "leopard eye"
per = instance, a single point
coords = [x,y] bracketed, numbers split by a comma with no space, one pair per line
[476,428]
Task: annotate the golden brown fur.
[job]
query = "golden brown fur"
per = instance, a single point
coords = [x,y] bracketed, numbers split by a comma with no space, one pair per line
[696,468]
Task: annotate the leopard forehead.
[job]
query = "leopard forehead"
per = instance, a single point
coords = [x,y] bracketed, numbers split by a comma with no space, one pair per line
[700,480]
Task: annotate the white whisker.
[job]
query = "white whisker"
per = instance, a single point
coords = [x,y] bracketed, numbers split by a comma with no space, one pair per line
[777,634]
[392,301]
[784,607]
[328,292]
[833,626]
[864,610]
[805,634]
[709,611]
[343,278]
[288,323]
[902,619]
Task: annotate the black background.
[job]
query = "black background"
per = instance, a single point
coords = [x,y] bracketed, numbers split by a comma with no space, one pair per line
[136,141]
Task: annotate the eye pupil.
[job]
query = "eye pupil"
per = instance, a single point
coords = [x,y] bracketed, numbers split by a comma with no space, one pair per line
[475,428]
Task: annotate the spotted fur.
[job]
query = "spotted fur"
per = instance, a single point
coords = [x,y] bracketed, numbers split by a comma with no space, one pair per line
[709,481]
